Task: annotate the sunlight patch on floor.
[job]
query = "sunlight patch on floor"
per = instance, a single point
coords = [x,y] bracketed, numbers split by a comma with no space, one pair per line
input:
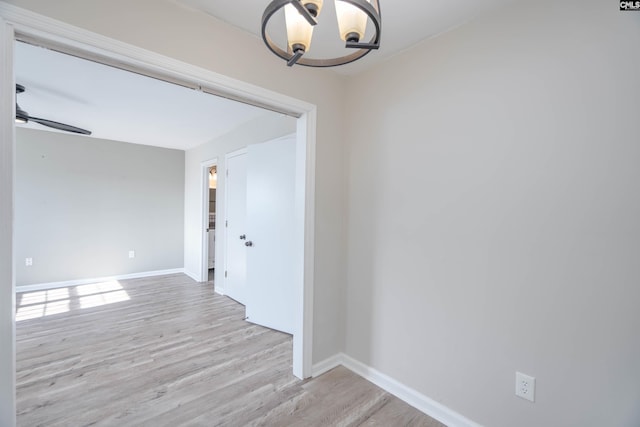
[103,299]
[32,305]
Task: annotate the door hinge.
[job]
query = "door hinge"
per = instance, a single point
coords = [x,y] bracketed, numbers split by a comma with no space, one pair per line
[226,223]
[225,273]
[227,172]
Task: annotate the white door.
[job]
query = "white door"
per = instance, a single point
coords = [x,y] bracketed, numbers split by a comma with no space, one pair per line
[271,169]
[235,229]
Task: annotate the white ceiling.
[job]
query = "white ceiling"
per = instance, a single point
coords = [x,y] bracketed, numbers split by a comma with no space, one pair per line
[120,105]
[123,106]
[404,23]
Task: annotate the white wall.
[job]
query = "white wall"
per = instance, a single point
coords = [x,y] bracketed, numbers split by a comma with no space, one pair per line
[264,128]
[199,39]
[82,203]
[504,156]
[493,216]
[7,274]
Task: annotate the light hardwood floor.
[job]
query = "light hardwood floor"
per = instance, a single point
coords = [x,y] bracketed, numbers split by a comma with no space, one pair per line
[167,351]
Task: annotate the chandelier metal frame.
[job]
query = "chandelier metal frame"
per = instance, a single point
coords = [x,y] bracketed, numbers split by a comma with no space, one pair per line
[371,9]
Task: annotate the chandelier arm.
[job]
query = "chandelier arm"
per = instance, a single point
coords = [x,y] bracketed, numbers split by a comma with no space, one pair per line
[295,58]
[304,12]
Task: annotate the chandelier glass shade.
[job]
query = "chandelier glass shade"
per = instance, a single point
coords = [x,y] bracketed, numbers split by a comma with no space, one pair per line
[301,16]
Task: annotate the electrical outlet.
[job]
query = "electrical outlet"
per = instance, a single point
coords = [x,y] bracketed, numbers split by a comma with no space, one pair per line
[132,254]
[525,386]
[28,262]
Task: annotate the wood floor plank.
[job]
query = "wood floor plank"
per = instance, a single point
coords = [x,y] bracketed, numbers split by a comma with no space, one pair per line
[167,351]
[397,413]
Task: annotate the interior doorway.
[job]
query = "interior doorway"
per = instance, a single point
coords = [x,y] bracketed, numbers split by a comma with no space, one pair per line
[66,38]
[209,203]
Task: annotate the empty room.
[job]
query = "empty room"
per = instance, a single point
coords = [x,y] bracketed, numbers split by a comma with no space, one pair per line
[306,212]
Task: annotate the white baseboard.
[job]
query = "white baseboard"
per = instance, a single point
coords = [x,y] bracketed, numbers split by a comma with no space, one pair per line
[78,282]
[419,401]
[327,364]
[192,275]
[217,290]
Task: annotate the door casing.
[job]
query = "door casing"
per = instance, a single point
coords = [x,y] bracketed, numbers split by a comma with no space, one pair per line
[204,169]
[18,23]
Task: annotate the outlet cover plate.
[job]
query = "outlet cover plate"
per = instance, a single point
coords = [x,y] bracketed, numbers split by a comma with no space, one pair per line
[525,386]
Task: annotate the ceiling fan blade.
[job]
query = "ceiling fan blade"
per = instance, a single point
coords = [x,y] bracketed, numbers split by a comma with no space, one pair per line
[60,126]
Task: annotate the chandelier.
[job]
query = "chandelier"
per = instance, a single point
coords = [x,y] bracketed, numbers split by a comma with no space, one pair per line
[301,17]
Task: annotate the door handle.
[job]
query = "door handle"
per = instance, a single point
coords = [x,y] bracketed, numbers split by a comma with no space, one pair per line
[248,243]
[243,236]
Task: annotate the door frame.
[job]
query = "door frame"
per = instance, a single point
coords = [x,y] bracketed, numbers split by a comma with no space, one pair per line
[27,25]
[205,166]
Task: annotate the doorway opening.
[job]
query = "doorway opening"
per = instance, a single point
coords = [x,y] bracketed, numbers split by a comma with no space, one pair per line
[68,39]
[210,172]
